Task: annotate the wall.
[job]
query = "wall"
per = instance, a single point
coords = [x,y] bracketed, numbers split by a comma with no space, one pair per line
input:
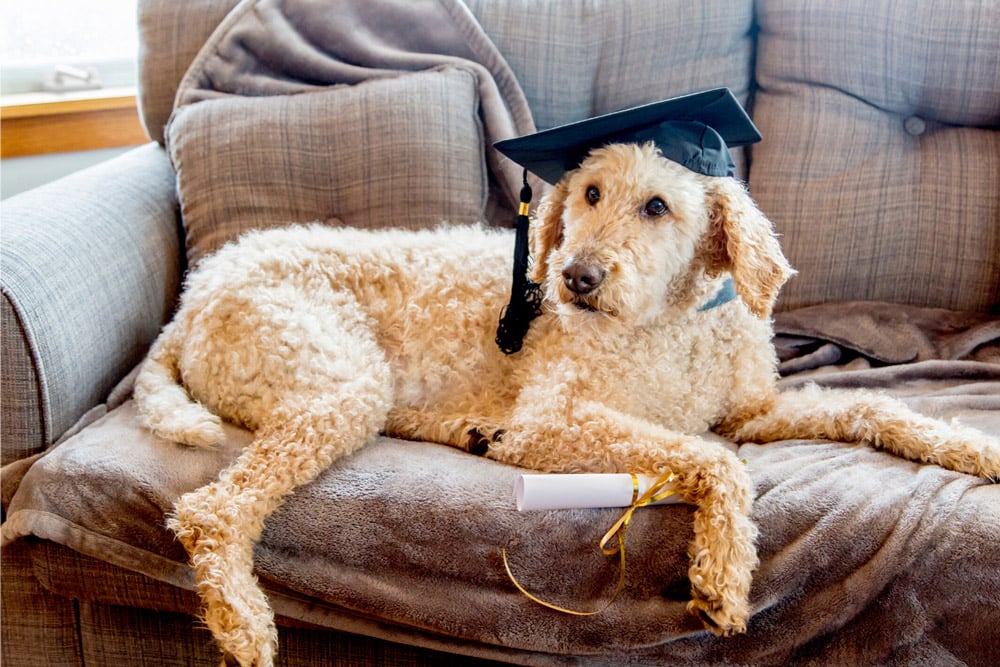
[23,173]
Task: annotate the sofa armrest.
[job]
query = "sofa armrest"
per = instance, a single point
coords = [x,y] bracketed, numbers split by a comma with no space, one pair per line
[90,268]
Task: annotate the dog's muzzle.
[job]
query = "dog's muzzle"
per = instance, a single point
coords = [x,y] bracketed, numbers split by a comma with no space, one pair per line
[582,278]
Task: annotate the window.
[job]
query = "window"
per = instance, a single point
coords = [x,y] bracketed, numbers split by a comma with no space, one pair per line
[92,43]
[67,77]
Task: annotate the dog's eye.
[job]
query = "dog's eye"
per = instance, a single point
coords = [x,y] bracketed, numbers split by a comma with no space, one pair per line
[593,195]
[655,207]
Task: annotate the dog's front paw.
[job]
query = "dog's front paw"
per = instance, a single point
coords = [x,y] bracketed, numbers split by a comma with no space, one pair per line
[480,438]
[722,617]
[722,565]
[721,598]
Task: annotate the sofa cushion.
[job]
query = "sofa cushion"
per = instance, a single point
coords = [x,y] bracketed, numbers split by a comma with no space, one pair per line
[170,36]
[347,152]
[572,60]
[575,60]
[881,154]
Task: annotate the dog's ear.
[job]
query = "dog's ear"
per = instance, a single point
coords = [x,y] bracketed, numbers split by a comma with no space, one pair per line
[742,241]
[546,231]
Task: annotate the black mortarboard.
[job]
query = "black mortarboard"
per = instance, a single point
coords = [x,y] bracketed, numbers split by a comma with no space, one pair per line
[694,130]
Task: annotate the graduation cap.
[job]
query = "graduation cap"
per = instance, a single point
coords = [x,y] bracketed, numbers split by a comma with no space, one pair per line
[693,130]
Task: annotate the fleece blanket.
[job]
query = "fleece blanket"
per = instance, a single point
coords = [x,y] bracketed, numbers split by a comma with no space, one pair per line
[865,558]
[883,334]
[283,47]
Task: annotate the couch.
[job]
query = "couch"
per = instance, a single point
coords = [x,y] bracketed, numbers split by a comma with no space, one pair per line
[880,168]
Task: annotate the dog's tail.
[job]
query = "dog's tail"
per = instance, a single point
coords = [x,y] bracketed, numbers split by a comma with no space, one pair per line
[164,405]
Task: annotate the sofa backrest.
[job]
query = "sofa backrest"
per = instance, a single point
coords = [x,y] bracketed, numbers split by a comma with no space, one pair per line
[573,59]
[880,163]
[881,156]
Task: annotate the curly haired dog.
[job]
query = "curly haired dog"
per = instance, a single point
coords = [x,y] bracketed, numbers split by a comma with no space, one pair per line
[317,339]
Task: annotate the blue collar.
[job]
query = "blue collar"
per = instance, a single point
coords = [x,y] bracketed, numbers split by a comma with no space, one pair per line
[726,294]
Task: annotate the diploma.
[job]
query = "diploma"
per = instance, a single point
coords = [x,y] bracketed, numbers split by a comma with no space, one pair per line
[586,490]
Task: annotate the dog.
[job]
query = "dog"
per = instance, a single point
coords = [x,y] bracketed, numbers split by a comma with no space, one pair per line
[317,339]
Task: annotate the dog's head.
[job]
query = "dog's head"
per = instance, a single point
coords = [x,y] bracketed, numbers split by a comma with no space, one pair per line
[629,233]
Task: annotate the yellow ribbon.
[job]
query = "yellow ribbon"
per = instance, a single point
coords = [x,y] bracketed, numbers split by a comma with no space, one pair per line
[655,493]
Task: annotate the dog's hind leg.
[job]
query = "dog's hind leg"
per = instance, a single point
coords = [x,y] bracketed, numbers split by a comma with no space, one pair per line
[309,372]
[886,423]
[219,523]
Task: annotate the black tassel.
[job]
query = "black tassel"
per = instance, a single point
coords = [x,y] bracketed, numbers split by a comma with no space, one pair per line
[525,296]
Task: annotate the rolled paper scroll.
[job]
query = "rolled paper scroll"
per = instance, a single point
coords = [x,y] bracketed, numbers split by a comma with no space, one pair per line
[587,490]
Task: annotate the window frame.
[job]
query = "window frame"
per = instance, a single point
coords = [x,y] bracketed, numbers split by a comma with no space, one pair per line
[41,123]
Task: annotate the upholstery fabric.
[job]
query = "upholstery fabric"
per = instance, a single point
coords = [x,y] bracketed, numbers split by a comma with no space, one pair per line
[22,423]
[347,152]
[140,643]
[908,211]
[27,642]
[170,36]
[580,58]
[87,284]
[586,66]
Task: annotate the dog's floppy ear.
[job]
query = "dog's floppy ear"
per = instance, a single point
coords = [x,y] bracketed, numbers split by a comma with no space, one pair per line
[742,241]
[546,231]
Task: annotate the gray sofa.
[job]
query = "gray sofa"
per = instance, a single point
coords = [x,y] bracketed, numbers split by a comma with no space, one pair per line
[880,167]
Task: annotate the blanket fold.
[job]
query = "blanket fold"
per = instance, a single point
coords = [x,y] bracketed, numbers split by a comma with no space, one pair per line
[882,333]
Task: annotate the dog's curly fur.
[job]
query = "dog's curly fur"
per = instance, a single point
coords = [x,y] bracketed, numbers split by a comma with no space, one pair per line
[317,339]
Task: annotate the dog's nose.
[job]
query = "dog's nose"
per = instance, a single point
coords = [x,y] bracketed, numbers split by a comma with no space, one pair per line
[582,277]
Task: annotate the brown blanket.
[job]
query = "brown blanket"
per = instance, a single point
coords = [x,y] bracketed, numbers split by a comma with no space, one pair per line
[865,558]
[883,333]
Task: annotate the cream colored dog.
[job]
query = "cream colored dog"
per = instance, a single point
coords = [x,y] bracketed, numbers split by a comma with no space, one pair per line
[317,339]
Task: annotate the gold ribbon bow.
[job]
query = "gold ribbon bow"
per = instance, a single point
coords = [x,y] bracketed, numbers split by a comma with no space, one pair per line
[656,492]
